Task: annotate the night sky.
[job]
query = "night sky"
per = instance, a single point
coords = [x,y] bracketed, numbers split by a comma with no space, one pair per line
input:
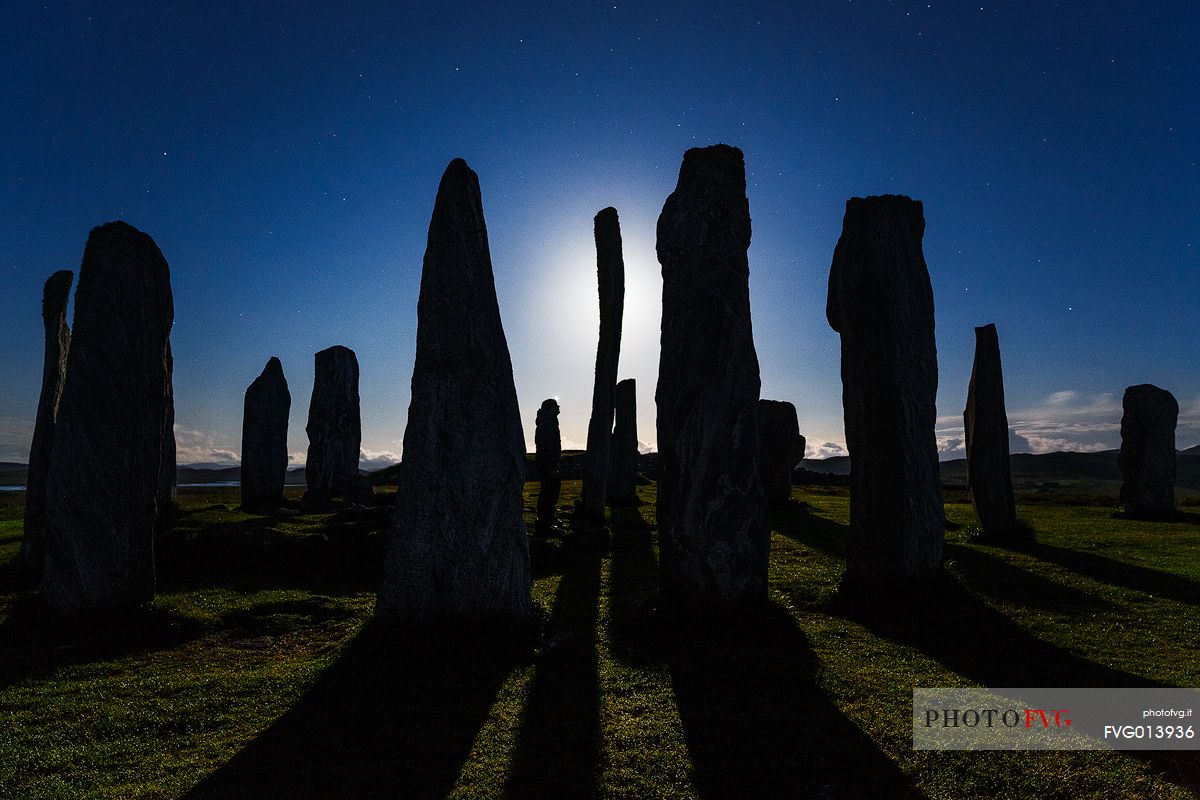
[286,163]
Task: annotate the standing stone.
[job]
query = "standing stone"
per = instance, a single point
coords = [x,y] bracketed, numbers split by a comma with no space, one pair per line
[1147,458]
[55,294]
[988,473]
[167,500]
[105,468]
[622,479]
[547,444]
[459,545]
[780,448]
[712,512]
[334,426]
[264,437]
[881,302]
[610,276]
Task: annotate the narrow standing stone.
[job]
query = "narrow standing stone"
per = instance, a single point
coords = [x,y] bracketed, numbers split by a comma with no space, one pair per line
[264,437]
[989,475]
[780,448]
[881,302]
[712,512]
[105,468]
[622,481]
[459,545]
[166,499]
[547,443]
[610,276]
[1147,458]
[55,294]
[334,425]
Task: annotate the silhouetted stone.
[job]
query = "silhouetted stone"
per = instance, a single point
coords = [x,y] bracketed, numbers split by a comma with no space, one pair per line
[334,425]
[360,492]
[459,545]
[780,448]
[989,474]
[547,444]
[264,437]
[1147,458]
[712,513]
[881,302]
[622,478]
[166,499]
[105,468]
[610,277]
[55,294]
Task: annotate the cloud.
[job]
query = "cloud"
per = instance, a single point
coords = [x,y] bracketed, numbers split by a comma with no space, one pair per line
[372,460]
[824,450]
[1067,420]
[196,447]
[16,434]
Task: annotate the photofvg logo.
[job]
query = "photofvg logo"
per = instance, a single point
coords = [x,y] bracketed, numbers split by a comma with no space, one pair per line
[1054,719]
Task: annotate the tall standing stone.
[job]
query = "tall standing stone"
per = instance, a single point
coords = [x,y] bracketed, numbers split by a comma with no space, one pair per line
[780,448]
[622,479]
[1147,458]
[55,294]
[105,468]
[712,512]
[610,277]
[264,437]
[459,545]
[167,500]
[881,302]
[334,424]
[989,475]
[547,442]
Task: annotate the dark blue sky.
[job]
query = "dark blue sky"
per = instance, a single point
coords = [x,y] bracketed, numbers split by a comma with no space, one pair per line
[286,163]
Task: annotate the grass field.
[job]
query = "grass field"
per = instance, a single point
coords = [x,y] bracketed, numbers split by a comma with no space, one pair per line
[256,673]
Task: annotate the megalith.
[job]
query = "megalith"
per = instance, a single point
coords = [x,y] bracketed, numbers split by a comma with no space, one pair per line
[547,443]
[622,477]
[264,437]
[985,419]
[712,512]
[780,448]
[334,423]
[166,499]
[459,545]
[1147,458]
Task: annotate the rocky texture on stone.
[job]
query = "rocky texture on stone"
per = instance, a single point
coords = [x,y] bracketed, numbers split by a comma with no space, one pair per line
[459,544]
[55,294]
[1147,458]
[881,302]
[264,437]
[610,277]
[334,424]
[780,448]
[106,464]
[712,513]
[547,444]
[166,499]
[989,475]
[622,476]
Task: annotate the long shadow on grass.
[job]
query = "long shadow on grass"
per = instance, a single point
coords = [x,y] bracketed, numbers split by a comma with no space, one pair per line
[993,576]
[1120,573]
[394,716]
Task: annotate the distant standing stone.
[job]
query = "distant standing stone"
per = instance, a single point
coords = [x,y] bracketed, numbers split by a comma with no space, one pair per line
[1147,458]
[712,512]
[106,465]
[610,277]
[55,294]
[780,448]
[989,475]
[881,302]
[166,500]
[459,544]
[547,444]
[334,424]
[622,480]
[264,437]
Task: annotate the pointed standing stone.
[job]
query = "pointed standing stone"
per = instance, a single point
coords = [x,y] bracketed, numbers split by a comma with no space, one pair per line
[548,453]
[622,480]
[105,467]
[780,448]
[334,425]
[881,302]
[1147,458]
[264,437]
[459,544]
[989,475]
[167,499]
[712,512]
[55,294]
[610,277]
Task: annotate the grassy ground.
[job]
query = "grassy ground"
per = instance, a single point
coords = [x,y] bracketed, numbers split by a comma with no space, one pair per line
[255,673]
